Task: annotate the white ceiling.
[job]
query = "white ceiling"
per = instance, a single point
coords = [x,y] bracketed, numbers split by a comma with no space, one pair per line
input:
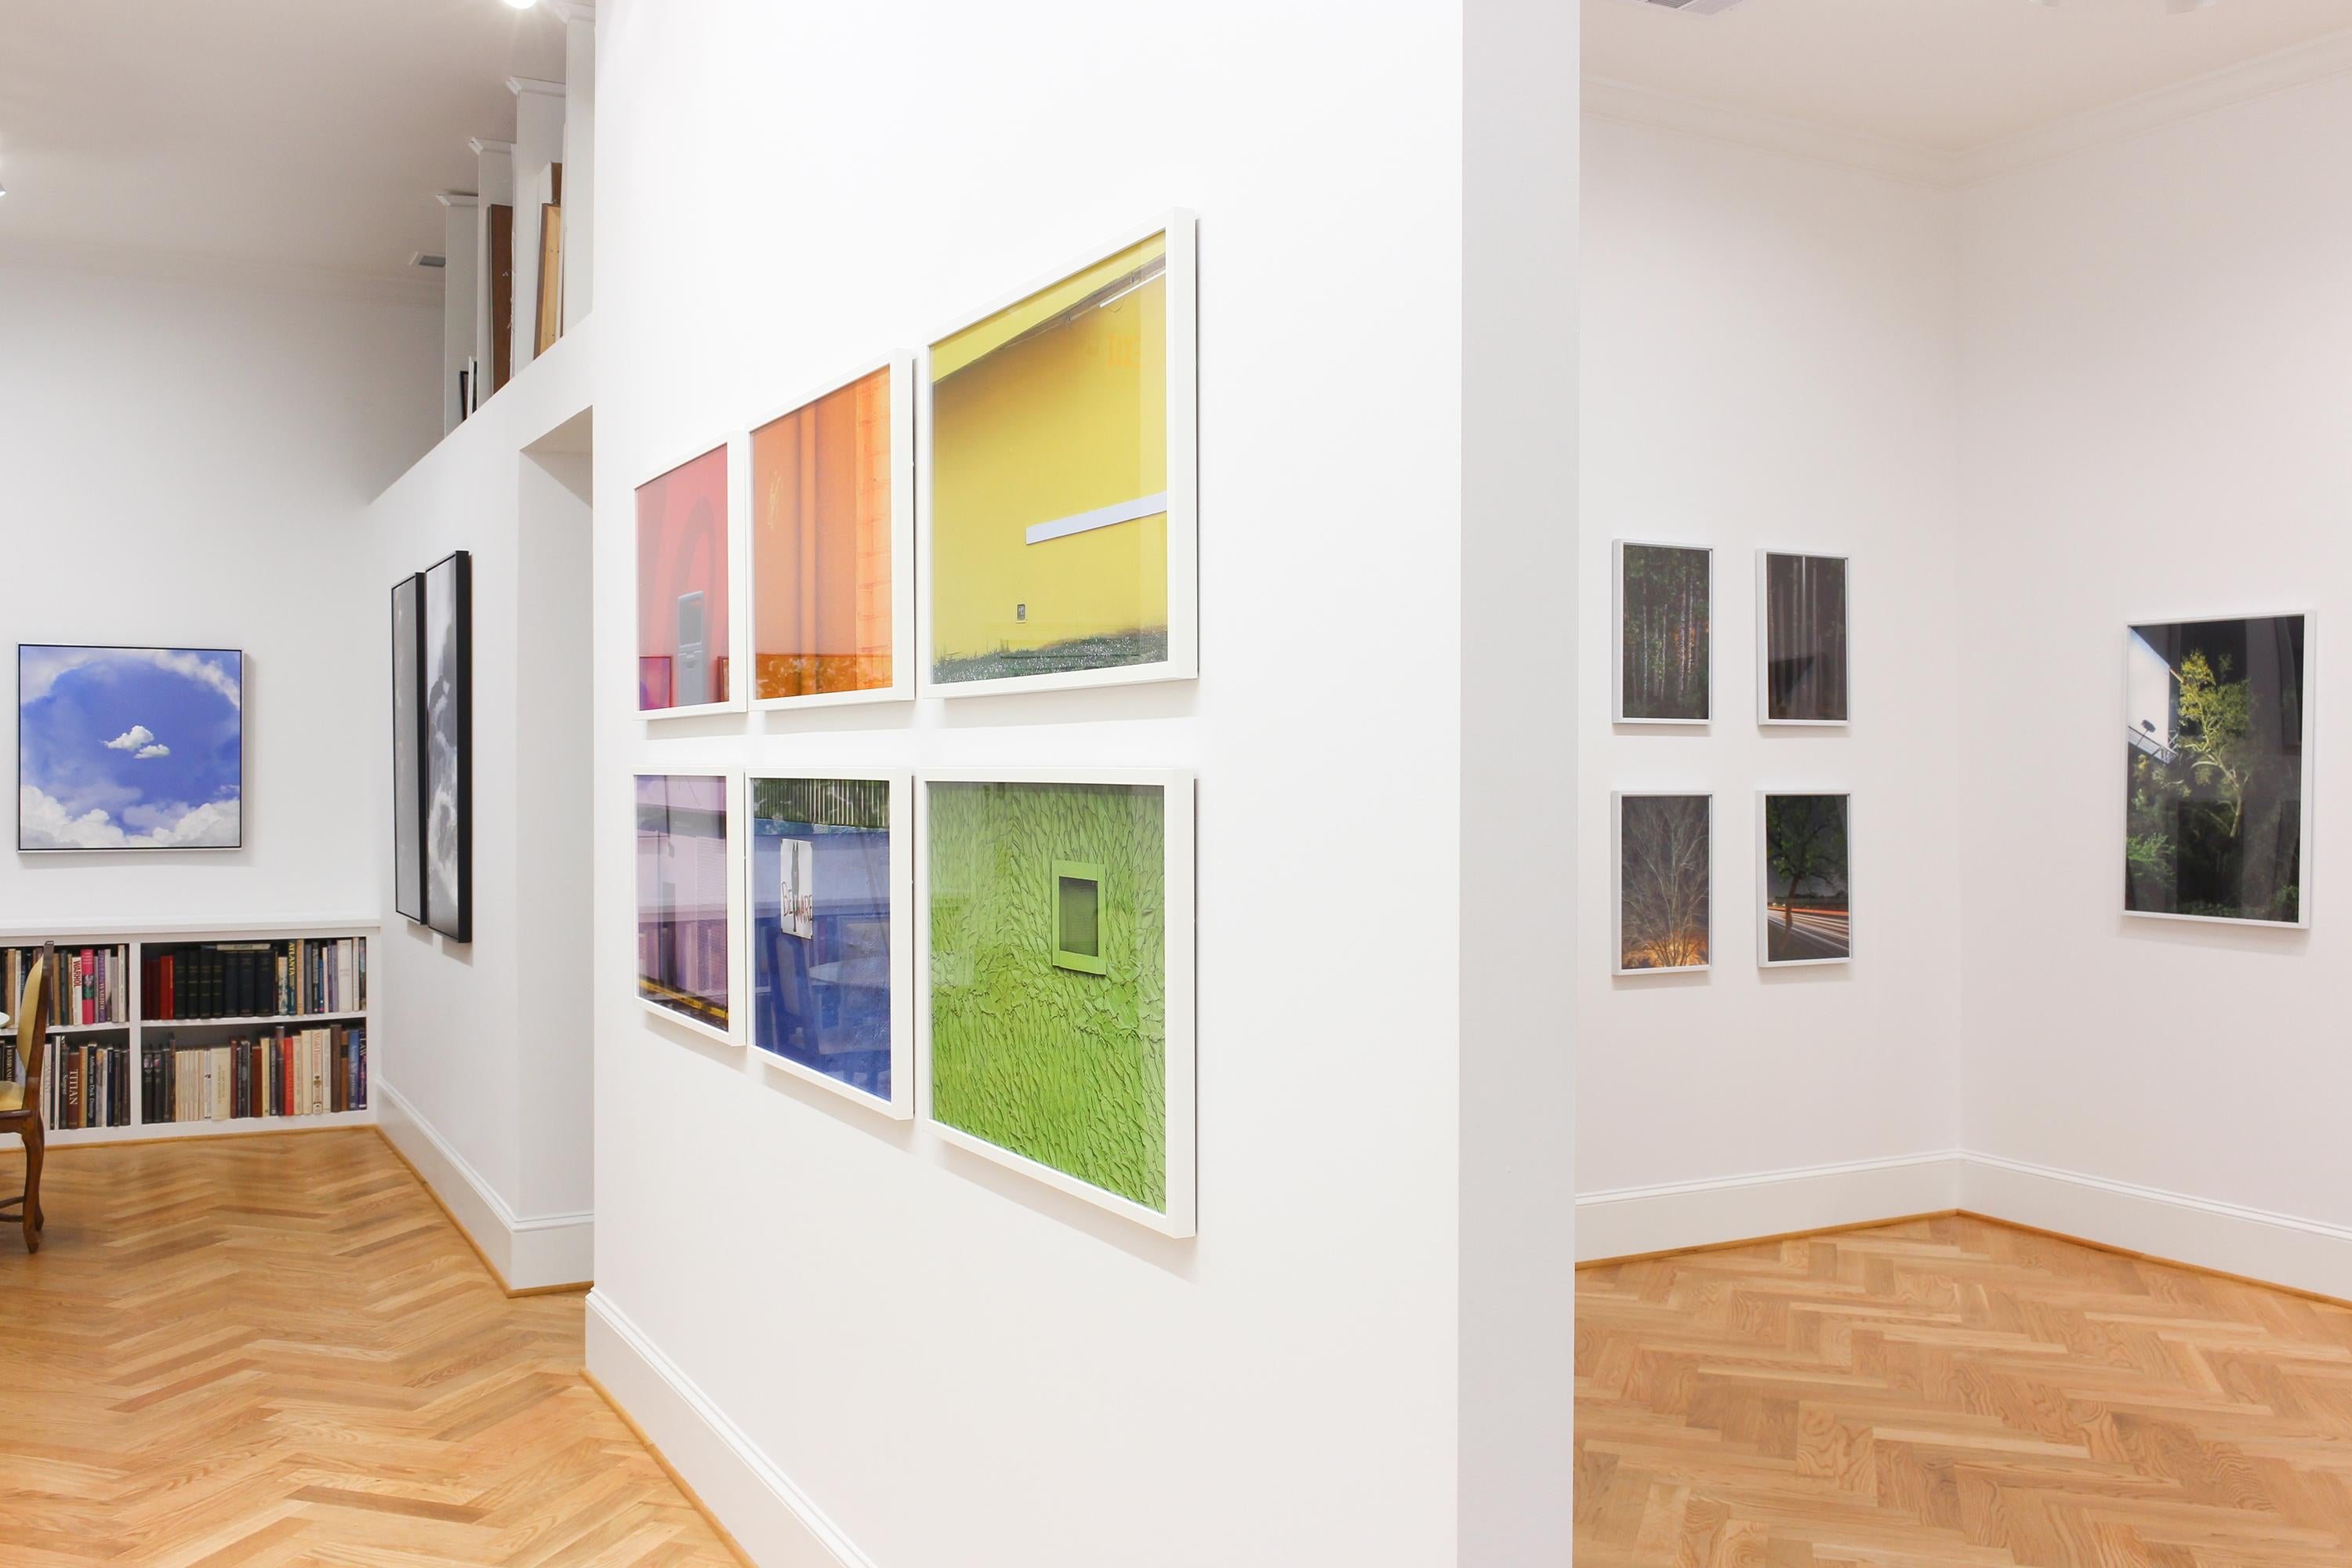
[291,134]
[1947,75]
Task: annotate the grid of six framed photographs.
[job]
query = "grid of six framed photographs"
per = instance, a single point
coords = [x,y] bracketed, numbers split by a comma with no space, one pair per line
[1012,510]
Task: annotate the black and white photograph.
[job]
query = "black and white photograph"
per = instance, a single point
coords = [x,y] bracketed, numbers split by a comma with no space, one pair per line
[1807,877]
[2216,741]
[449,747]
[408,747]
[1801,624]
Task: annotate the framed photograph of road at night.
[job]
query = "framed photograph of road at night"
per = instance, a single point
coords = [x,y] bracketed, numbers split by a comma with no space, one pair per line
[1802,633]
[1805,874]
[2217,745]
[1662,851]
[1663,645]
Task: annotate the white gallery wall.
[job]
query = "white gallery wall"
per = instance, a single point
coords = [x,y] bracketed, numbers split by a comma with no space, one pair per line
[2158,426]
[1771,357]
[189,460]
[486,1060]
[2107,385]
[860,1345]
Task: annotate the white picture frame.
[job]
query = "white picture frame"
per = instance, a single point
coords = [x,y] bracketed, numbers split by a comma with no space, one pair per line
[1180,1063]
[1764,959]
[1617,802]
[1764,638]
[1183,660]
[738,824]
[2307,774]
[734,543]
[899,1106]
[1617,634]
[906,370]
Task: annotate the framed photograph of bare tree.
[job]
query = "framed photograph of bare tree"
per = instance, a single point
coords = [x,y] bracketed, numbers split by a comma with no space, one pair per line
[1804,878]
[1662,644]
[2217,749]
[1662,847]
[1802,630]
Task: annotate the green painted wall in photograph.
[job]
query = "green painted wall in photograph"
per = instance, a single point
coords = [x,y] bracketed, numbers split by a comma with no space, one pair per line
[1059,1064]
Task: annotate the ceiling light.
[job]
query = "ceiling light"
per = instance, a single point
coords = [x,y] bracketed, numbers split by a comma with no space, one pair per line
[522,5]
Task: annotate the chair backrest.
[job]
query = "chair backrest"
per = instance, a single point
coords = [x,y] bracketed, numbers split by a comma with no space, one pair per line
[36,1009]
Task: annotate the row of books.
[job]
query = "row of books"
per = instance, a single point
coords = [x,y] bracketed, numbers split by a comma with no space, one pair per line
[93,983]
[84,1083]
[299,1072]
[305,977]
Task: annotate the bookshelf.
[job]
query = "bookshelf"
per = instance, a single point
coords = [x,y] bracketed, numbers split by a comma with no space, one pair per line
[317,1000]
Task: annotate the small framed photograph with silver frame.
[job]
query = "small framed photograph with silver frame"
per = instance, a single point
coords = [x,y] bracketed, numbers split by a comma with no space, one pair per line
[1662,845]
[1663,668]
[1804,638]
[1804,878]
[2218,797]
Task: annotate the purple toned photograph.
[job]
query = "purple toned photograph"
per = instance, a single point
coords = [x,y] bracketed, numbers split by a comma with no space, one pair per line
[683,939]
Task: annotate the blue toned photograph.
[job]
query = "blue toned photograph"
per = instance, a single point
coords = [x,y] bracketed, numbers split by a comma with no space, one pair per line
[821,969]
[129,747]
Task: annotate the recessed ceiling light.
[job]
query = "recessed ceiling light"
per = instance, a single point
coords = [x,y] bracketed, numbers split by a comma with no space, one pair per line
[522,5]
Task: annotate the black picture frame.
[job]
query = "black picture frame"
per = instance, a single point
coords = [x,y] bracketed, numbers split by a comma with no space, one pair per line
[446,711]
[408,747]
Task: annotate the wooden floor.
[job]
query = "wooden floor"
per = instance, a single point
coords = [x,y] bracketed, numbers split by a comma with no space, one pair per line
[1952,1393]
[252,1351]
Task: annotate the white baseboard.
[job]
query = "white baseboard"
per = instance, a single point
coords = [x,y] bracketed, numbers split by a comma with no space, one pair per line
[529,1251]
[2282,1249]
[1627,1221]
[770,1517]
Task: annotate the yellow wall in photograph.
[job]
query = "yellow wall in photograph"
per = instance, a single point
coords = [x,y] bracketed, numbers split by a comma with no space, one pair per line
[1054,408]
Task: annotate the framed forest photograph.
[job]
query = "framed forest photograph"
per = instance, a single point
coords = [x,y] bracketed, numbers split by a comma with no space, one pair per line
[2217,748]
[1802,631]
[1662,672]
[1805,874]
[1662,847]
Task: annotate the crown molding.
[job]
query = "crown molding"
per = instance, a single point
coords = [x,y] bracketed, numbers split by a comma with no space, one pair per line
[519,85]
[1893,158]
[484,144]
[401,288]
[458,198]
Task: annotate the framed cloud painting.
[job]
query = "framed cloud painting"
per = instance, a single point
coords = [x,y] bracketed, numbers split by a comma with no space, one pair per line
[2217,748]
[129,747]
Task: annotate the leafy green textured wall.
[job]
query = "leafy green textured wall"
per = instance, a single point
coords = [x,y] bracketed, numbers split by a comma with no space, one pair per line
[1063,1067]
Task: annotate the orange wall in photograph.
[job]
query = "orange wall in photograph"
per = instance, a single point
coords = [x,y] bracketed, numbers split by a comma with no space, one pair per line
[682,626]
[820,544]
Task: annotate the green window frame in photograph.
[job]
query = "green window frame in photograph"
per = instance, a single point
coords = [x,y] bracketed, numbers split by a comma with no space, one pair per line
[1077,925]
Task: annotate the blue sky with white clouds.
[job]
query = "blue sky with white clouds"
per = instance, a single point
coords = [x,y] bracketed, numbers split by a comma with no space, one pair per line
[129,747]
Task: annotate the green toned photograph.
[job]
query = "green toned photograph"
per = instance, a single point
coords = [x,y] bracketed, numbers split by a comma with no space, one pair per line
[1662,634]
[1048,976]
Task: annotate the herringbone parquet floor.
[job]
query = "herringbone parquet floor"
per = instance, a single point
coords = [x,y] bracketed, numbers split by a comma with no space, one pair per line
[255,1351]
[1955,1394]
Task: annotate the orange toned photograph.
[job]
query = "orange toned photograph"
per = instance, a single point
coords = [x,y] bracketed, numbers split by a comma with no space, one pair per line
[822,525]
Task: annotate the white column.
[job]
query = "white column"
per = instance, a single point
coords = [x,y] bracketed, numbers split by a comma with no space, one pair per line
[579,161]
[495,182]
[460,285]
[538,147]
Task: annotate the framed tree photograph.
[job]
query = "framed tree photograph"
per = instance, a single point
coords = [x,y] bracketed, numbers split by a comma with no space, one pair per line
[689,901]
[1662,676]
[1661,848]
[2217,749]
[832,535]
[686,623]
[448,713]
[831,967]
[1805,877]
[1060,478]
[129,747]
[1802,635]
[1056,914]
[408,786]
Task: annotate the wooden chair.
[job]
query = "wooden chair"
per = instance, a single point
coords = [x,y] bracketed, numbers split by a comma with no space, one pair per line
[20,1104]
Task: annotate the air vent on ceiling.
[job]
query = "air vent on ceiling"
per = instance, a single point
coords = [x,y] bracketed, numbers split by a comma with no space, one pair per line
[421,260]
[1691,8]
